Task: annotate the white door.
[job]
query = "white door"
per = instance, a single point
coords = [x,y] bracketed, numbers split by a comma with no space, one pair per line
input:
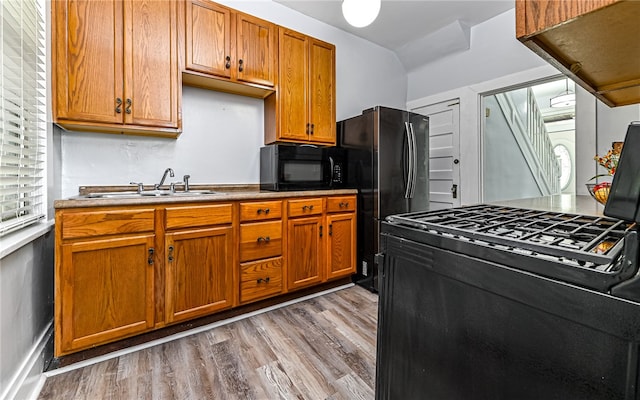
[444,153]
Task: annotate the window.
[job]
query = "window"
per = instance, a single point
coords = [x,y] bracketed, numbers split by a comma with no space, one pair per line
[22,113]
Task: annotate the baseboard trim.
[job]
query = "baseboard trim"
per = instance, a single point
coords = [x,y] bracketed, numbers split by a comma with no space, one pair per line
[28,380]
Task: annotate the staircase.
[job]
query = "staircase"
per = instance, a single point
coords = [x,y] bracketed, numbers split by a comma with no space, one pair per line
[531,135]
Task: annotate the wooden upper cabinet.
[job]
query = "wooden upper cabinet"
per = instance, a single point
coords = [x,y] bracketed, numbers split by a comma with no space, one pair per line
[304,106]
[208,38]
[595,43]
[225,44]
[115,66]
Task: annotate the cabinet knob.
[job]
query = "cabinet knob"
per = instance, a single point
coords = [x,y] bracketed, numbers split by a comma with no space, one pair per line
[128,107]
[227,65]
[240,65]
[118,105]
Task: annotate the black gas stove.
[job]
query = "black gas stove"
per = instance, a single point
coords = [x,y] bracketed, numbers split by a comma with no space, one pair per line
[578,249]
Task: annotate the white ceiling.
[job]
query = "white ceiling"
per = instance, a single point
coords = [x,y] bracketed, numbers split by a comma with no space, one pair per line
[418,31]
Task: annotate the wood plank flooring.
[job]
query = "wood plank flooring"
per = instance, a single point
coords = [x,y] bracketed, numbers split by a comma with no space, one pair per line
[321,348]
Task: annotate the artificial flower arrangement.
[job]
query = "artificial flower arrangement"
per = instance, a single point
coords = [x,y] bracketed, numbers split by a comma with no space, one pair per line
[600,191]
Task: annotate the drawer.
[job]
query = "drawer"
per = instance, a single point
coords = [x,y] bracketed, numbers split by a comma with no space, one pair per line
[260,279]
[112,222]
[303,207]
[341,204]
[193,216]
[260,240]
[256,211]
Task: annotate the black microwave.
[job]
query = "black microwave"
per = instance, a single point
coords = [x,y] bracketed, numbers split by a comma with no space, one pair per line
[301,167]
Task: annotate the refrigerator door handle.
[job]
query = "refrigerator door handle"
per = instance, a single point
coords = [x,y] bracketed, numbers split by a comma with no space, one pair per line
[414,172]
[407,191]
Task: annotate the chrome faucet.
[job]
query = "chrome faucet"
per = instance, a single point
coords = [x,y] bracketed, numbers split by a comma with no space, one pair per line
[186,182]
[164,176]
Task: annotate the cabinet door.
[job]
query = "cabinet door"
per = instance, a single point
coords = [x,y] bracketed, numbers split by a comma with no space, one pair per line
[105,291]
[87,60]
[200,277]
[304,252]
[341,245]
[256,50]
[151,63]
[208,38]
[292,82]
[322,91]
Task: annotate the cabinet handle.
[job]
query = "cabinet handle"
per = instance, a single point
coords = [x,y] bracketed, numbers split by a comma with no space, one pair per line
[240,65]
[330,229]
[128,107]
[308,126]
[312,128]
[304,208]
[260,211]
[320,230]
[118,105]
[265,280]
[227,65]
[266,239]
[150,258]
[342,204]
[170,253]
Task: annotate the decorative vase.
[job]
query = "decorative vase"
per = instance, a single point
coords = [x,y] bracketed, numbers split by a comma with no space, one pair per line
[599,191]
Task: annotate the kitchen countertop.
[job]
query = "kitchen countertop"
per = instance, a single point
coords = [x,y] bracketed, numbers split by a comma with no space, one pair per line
[226,193]
[566,203]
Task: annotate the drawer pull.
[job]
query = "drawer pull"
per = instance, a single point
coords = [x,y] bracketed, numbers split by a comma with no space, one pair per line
[266,239]
[310,208]
[343,204]
[265,280]
[150,259]
[260,211]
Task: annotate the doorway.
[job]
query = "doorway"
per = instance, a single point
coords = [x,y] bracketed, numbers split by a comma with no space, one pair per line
[528,141]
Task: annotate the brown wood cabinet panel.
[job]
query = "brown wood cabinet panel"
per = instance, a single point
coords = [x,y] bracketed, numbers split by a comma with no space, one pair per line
[305,251]
[256,50]
[341,245]
[115,66]
[260,279]
[194,216]
[200,277]
[256,211]
[151,63]
[293,86]
[303,207]
[341,203]
[322,92]
[208,38]
[106,222]
[595,43]
[104,291]
[87,47]
[260,240]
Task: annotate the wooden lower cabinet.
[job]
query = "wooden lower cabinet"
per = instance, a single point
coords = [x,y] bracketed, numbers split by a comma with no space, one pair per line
[305,250]
[199,268]
[341,245]
[105,291]
[260,279]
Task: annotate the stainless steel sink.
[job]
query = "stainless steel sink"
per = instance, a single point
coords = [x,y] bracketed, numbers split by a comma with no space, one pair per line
[148,193]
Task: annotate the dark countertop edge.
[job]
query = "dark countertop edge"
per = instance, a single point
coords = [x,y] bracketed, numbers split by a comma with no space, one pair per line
[228,195]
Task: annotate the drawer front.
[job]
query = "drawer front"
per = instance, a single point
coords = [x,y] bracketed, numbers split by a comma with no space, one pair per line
[260,279]
[193,216]
[260,240]
[256,211]
[96,223]
[303,207]
[341,204]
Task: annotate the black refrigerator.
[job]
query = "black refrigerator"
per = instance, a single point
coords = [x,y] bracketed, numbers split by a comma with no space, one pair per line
[387,153]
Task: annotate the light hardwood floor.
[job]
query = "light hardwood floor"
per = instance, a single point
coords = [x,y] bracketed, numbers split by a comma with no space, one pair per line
[321,348]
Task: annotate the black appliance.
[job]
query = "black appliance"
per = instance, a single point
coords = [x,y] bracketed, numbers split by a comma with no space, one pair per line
[494,302]
[301,167]
[387,152]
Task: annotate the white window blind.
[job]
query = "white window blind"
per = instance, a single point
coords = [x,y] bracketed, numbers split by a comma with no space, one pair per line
[22,113]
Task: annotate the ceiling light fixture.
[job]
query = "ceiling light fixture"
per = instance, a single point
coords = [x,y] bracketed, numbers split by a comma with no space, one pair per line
[567,98]
[360,13]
